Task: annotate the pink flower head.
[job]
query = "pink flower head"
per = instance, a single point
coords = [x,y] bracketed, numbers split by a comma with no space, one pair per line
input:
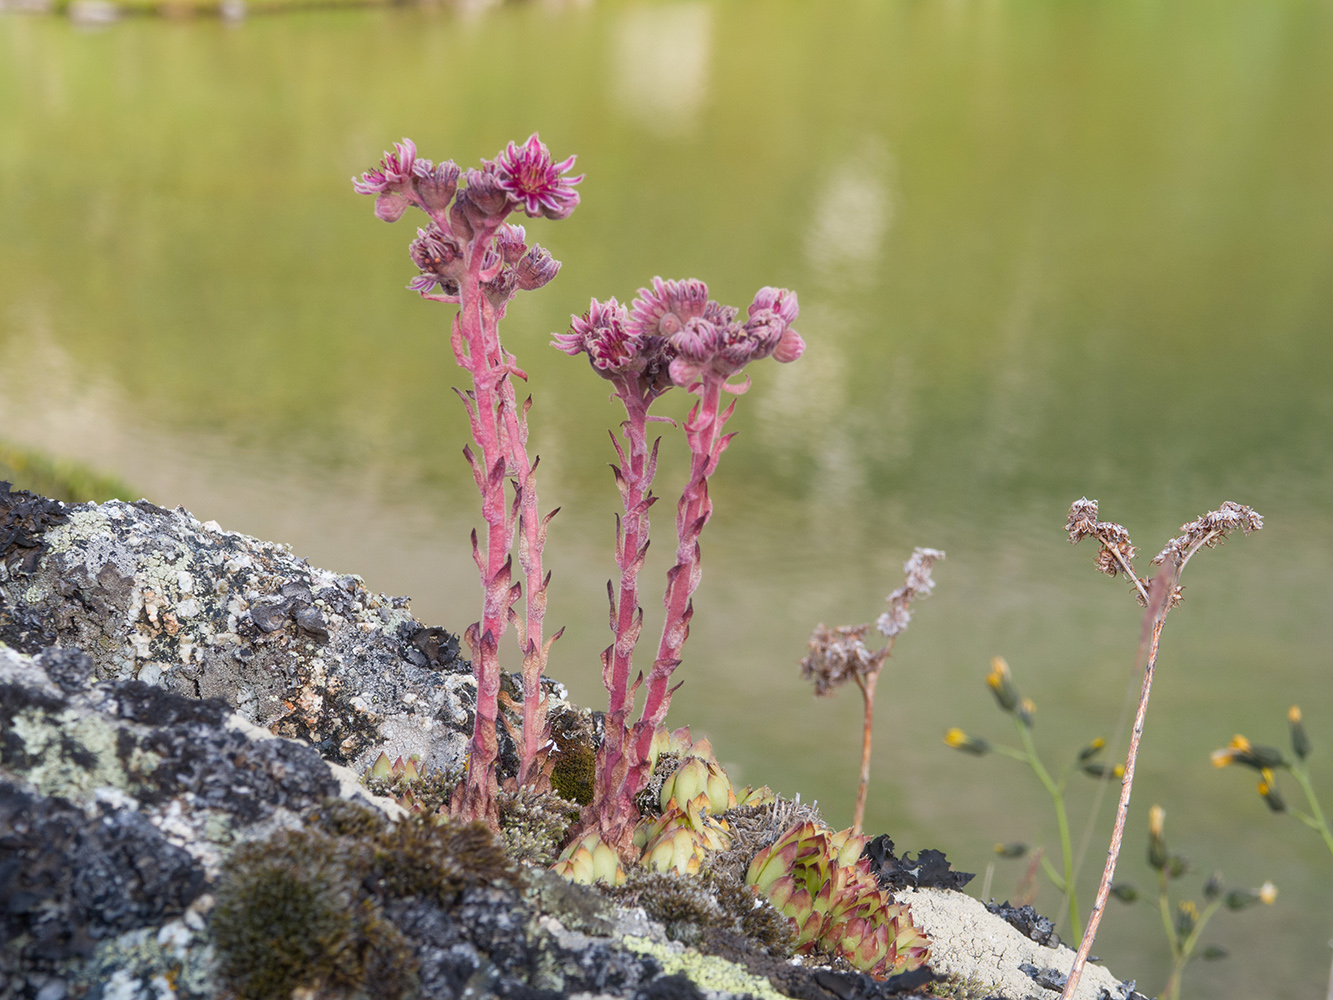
[778,300]
[666,309]
[533,181]
[696,345]
[395,171]
[440,258]
[603,334]
[771,315]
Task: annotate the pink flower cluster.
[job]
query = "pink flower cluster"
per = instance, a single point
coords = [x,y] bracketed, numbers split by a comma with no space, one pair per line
[672,334]
[520,177]
[675,328]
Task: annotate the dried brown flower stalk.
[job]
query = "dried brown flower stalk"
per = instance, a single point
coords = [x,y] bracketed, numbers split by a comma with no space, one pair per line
[838,655]
[1157,596]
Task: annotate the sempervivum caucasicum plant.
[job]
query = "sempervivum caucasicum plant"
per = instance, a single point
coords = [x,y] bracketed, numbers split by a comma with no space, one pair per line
[672,334]
[470,256]
[819,880]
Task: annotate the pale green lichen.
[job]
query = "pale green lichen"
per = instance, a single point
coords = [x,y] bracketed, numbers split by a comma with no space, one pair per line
[708,972]
[44,738]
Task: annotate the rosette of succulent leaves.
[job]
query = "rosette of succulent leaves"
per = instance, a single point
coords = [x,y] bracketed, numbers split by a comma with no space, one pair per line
[820,880]
[694,799]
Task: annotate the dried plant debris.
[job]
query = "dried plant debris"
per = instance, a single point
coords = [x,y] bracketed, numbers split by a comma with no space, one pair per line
[930,869]
[1027,920]
[24,519]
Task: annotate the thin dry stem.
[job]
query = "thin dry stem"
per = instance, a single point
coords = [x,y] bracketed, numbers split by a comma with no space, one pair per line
[867,686]
[1154,617]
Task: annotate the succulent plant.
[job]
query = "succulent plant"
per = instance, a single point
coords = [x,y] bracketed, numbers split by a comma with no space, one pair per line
[588,860]
[751,796]
[818,879]
[681,837]
[698,775]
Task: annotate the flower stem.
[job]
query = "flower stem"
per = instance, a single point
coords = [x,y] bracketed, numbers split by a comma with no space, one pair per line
[1316,820]
[1056,792]
[1157,618]
[867,686]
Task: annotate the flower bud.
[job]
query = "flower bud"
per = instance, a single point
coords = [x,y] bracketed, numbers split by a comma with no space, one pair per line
[1026,711]
[436,187]
[1157,855]
[1091,750]
[1124,892]
[509,242]
[1014,849]
[959,740]
[458,220]
[1002,684]
[390,206]
[1269,793]
[1187,915]
[483,199]
[500,289]
[1300,742]
[536,268]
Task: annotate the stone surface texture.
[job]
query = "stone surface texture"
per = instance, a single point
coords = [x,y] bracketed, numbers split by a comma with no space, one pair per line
[154,595]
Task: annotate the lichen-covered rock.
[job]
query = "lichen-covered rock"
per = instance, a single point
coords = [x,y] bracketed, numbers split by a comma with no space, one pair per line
[156,846]
[119,803]
[155,595]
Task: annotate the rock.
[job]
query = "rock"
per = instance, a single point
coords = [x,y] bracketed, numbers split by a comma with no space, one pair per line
[153,845]
[970,941]
[154,595]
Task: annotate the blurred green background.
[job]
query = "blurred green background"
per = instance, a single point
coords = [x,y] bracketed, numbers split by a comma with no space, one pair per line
[1043,250]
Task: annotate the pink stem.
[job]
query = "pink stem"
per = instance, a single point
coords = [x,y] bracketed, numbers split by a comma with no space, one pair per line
[475,330]
[614,811]
[532,539]
[703,429]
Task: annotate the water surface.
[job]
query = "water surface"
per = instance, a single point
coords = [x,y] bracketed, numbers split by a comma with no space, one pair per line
[1043,251]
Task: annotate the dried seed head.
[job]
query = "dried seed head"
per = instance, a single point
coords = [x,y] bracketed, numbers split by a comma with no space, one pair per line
[1210,529]
[918,583]
[838,654]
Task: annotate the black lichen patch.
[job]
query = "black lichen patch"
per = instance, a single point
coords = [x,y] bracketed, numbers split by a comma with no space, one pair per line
[1028,921]
[25,629]
[24,519]
[432,647]
[155,706]
[67,881]
[16,699]
[226,770]
[70,669]
[677,987]
[928,870]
